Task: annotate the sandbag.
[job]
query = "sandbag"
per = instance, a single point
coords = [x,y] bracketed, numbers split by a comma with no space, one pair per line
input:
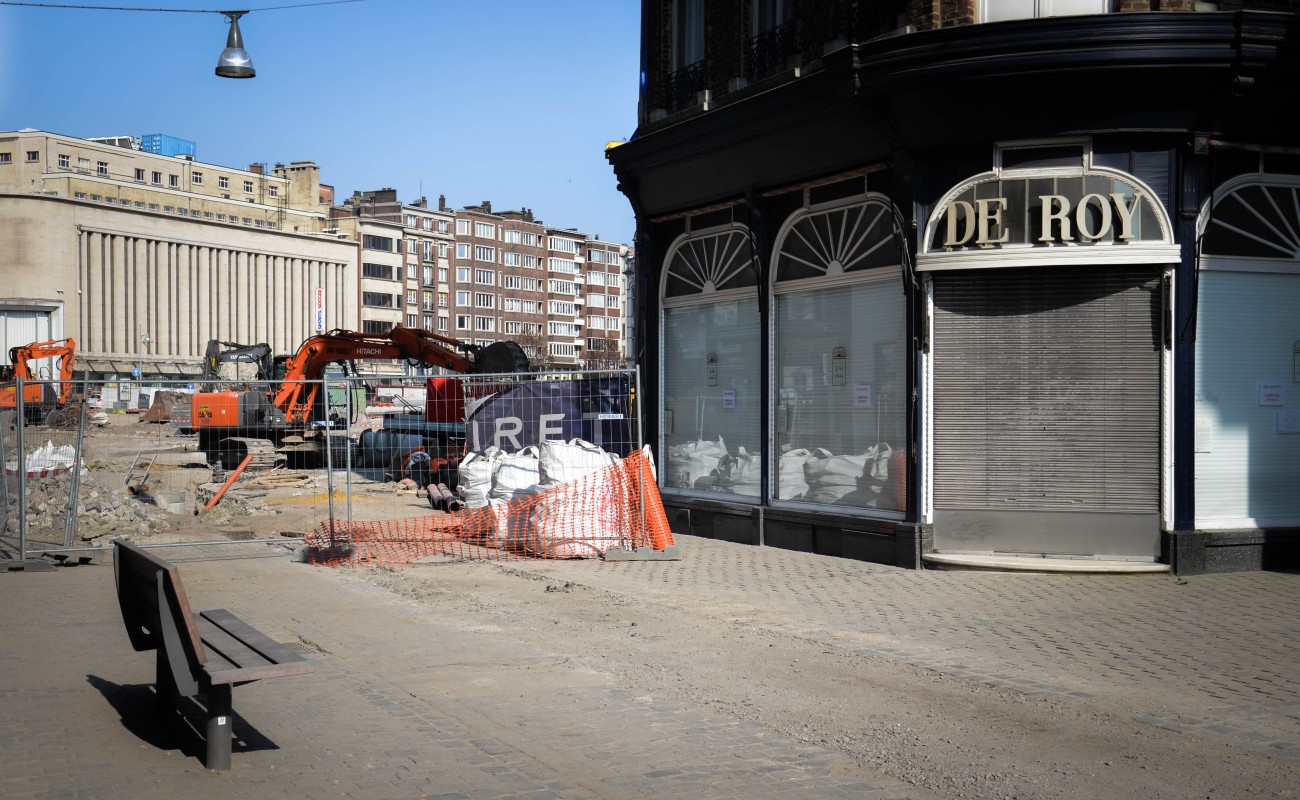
[562,462]
[516,474]
[475,476]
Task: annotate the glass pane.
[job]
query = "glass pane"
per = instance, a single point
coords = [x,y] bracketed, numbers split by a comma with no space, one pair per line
[711,438]
[841,414]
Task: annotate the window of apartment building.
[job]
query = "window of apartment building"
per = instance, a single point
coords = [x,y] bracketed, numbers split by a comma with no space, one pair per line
[485,230]
[485,324]
[372,242]
[427,224]
[248,223]
[194,212]
[223,182]
[462,228]
[512,259]
[596,256]
[462,274]
[410,221]
[532,307]
[562,287]
[1029,9]
[248,187]
[562,265]
[483,253]
[562,307]
[384,271]
[412,268]
[375,326]
[426,250]
[462,251]
[273,191]
[33,156]
[442,325]
[207,215]
[377,299]
[65,161]
[596,323]
[595,300]
[153,206]
[6,158]
[412,320]
[427,274]
[532,285]
[196,178]
[96,198]
[427,322]
[595,278]
[531,262]
[156,178]
[79,195]
[485,300]
[442,274]
[221,218]
[532,239]
[442,249]
[563,245]
[443,226]
[563,329]
[486,277]
[462,322]
[166,209]
[101,168]
[512,304]
[462,298]
[615,259]
[174,181]
[442,299]
[512,282]
[412,246]
[426,301]
[412,297]
[563,350]
[512,328]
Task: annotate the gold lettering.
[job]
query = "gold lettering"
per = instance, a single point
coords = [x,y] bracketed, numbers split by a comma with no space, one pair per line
[990,220]
[1081,217]
[1062,206]
[1125,214]
[967,215]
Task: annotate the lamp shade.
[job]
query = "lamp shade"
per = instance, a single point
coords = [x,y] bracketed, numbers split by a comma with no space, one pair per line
[235,61]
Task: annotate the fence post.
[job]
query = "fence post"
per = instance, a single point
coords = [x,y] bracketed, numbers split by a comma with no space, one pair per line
[20,422]
[74,498]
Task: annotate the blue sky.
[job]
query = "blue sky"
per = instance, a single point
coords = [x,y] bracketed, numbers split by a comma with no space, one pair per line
[501,100]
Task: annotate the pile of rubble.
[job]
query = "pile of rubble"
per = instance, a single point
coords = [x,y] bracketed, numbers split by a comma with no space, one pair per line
[100,512]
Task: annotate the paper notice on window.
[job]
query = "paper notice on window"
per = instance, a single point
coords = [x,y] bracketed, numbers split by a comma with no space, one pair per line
[1288,420]
[1271,394]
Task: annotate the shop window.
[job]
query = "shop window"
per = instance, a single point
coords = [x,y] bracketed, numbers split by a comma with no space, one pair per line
[711,384]
[841,359]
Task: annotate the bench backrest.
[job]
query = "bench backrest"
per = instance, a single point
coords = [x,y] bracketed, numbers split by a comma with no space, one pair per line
[157,612]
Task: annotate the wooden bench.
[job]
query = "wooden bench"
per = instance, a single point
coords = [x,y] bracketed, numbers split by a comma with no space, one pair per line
[208,654]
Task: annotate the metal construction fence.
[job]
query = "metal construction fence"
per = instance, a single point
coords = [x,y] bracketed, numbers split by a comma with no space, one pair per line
[176,461]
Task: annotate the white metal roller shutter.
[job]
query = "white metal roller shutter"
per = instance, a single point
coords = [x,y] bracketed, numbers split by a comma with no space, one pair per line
[1047,390]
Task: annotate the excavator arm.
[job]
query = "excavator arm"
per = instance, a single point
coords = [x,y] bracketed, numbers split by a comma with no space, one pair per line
[219,352]
[21,358]
[300,389]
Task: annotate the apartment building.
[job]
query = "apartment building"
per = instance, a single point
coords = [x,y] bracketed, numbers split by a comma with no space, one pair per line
[946,301]
[143,257]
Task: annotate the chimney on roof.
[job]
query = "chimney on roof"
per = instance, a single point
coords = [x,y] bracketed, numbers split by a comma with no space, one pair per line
[442,202]
[487,206]
[256,169]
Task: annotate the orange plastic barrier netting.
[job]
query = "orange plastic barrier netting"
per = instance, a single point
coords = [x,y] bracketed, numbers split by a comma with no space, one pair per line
[615,508]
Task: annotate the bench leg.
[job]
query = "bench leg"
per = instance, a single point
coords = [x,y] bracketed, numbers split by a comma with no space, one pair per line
[220,729]
[164,686]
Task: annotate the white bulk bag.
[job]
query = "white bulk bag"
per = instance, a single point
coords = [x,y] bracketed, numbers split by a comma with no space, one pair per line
[689,462]
[475,474]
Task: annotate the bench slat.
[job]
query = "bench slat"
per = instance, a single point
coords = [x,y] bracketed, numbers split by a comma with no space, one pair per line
[242,653]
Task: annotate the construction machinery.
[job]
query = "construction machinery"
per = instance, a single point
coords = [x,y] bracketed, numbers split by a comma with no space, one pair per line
[292,417]
[218,353]
[39,399]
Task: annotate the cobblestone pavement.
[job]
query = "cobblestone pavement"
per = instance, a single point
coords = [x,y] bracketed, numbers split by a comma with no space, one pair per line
[403,705]
[1214,654]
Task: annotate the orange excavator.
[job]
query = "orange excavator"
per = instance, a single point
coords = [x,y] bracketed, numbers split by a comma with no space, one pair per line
[38,398]
[288,418]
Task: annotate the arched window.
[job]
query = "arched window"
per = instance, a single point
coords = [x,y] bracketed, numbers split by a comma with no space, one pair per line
[839,337]
[711,364]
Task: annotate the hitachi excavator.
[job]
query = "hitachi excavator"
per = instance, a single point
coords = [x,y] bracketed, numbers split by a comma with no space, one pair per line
[234,424]
[218,353]
[38,398]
